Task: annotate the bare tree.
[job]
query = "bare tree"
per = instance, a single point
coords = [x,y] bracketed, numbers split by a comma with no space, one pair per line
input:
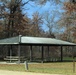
[50,21]
[35,28]
[11,12]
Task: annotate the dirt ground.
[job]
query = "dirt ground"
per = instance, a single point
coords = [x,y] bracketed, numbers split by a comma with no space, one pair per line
[4,72]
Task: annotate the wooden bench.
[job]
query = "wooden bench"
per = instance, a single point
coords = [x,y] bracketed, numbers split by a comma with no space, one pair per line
[13,58]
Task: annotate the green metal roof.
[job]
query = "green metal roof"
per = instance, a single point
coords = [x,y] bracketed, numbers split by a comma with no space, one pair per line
[43,41]
[34,41]
[13,40]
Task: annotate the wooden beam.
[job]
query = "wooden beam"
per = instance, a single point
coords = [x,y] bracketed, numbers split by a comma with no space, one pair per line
[30,53]
[48,53]
[10,53]
[61,53]
[19,48]
[73,59]
[42,55]
[73,64]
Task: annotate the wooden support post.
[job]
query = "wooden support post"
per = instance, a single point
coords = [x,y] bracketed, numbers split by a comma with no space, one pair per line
[73,59]
[42,55]
[19,48]
[61,53]
[10,53]
[48,53]
[19,54]
[30,53]
[73,64]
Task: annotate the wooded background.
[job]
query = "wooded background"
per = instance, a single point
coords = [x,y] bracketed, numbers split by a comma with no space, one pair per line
[13,23]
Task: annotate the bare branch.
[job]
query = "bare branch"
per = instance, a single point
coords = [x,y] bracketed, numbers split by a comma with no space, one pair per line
[24,3]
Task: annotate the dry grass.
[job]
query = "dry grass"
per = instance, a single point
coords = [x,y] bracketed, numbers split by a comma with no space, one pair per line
[53,68]
[12,67]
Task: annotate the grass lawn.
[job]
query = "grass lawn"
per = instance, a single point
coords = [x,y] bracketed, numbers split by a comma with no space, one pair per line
[52,68]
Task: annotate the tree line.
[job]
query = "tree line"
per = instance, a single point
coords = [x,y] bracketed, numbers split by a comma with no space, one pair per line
[13,22]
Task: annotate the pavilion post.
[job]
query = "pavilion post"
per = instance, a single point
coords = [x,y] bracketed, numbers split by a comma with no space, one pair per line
[19,47]
[10,52]
[42,55]
[30,53]
[73,64]
[73,59]
[48,53]
[61,53]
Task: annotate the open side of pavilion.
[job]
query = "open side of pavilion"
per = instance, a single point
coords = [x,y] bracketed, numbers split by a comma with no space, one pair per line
[35,41]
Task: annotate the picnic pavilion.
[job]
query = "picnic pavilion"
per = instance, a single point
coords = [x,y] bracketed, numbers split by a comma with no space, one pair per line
[35,41]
